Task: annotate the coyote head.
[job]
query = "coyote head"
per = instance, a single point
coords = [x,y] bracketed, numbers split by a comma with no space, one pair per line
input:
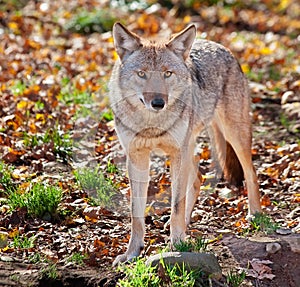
[152,74]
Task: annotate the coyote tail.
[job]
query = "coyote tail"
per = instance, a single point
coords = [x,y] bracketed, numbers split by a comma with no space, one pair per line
[228,160]
[232,169]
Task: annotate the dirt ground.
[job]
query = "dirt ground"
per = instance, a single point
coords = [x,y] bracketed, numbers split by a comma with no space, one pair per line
[232,252]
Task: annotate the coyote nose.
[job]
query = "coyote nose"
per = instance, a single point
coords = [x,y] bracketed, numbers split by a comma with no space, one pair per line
[158,104]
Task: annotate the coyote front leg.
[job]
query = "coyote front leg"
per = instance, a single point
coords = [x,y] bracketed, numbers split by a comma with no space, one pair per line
[138,171]
[193,187]
[179,177]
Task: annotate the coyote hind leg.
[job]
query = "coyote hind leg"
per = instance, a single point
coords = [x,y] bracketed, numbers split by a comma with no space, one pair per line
[239,139]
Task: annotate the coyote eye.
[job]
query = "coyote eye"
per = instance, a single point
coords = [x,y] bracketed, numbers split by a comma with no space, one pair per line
[168,74]
[141,74]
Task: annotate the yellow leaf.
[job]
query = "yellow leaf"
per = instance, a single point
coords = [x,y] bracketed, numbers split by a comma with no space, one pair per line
[13,25]
[110,40]
[22,105]
[40,117]
[115,55]
[149,210]
[245,68]
[14,233]
[266,51]
[187,19]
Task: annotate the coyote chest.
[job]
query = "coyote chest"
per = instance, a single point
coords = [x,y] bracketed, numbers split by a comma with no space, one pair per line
[144,129]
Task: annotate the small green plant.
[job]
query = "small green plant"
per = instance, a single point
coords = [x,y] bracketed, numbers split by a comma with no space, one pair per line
[18,88]
[83,112]
[111,167]
[198,244]
[6,181]
[256,76]
[12,5]
[139,274]
[107,115]
[43,200]
[180,276]
[39,105]
[23,242]
[94,21]
[77,258]
[184,246]
[36,258]
[274,73]
[235,279]
[40,200]
[62,142]
[15,277]
[71,95]
[96,184]
[50,271]
[263,222]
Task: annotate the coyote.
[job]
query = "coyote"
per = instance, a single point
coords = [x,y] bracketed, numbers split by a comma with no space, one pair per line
[163,94]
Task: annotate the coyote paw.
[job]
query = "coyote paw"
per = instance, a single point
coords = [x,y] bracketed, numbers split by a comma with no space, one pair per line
[120,259]
[128,256]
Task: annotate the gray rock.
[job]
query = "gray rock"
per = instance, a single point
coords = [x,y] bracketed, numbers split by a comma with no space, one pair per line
[273,247]
[206,262]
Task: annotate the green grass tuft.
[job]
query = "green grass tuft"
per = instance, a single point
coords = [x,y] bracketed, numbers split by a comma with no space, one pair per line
[235,279]
[198,244]
[40,200]
[264,223]
[100,188]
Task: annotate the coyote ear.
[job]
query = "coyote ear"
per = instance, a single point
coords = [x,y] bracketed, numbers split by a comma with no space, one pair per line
[124,40]
[182,42]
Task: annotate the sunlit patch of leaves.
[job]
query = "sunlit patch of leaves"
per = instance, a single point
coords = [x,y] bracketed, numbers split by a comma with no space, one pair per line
[40,200]
[100,188]
[92,21]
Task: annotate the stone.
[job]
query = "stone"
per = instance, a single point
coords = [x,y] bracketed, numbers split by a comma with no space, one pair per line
[206,262]
[283,231]
[273,247]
